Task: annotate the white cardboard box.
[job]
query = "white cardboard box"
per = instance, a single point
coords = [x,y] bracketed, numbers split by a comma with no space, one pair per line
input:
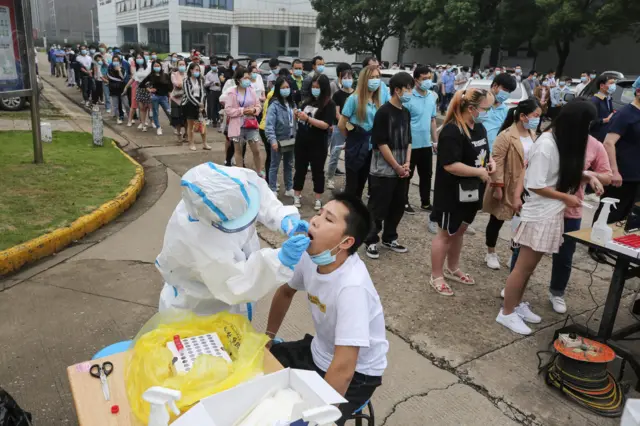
[226,408]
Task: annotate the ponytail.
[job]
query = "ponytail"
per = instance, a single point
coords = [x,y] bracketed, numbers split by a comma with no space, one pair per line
[460,103]
[525,107]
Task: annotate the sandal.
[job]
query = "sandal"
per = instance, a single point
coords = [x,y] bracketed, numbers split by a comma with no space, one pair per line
[440,286]
[464,279]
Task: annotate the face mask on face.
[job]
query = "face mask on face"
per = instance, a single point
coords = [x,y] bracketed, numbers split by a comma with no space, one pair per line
[92,51]
[157,69]
[315,91]
[612,89]
[518,71]
[532,124]
[592,76]
[482,116]
[320,68]
[116,64]
[275,71]
[285,92]
[347,83]
[583,79]
[561,84]
[326,258]
[498,72]
[545,83]
[139,61]
[245,83]
[99,62]
[154,57]
[502,96]
[373,84]
[146,58]
[196,74]
[102,50]
[254,75]
[83,52]
[214,68]
[534,78]
[182,68]
[297,73]
[174,59]
[233,67]
[426,84]
[405,97]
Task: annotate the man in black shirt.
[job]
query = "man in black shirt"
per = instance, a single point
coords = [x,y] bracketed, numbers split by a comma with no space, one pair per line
[389,172]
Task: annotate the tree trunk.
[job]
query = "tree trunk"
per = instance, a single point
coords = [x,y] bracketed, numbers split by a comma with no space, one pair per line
[377,51]
[402,45]
[563,49]
[494,56]
[477,58]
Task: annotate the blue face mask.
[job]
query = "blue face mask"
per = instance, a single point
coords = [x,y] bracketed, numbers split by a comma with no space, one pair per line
[275,71]
[182,68]
[157,69]
[326,258]
[83,52]
[532,124]
[405,97]
[233,67]
[99,62]
[285,92]
[297,73]
[583,79]
[254,75]
[139,61]
[612,89]
[115,64]
[373,84]
[315,92]
[154,57]
[320,68]
[196,74]
[92,51]
[482,116]
[534,78]
[347,83]
[245,83]
[426,84]
[592,76]
[174,59]
[214,69]
[502,96]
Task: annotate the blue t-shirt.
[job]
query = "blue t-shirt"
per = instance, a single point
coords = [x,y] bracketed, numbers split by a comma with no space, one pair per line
[495,118]
[626,123]
[351,105]
[422,110]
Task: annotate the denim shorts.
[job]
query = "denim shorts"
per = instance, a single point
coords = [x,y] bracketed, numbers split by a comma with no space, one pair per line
[247,135]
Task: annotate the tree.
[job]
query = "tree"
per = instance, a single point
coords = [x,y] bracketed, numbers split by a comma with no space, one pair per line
[359,26]
[596,20]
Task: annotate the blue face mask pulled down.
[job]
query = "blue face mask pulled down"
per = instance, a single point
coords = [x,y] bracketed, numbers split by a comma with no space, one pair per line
[315,92]
[532,124]
[326,258]
[502,96]
[373,84]
[285,92]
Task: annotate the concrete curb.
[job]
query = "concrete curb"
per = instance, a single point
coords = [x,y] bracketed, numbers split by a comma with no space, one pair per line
[15,257]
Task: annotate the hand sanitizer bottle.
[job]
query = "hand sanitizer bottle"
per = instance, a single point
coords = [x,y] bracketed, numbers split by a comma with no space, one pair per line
[158,397]
[601,233]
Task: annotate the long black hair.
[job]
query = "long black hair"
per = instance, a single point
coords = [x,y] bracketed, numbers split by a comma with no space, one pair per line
[525,107]
[325,92]
[571,132]
[278,96]
[239,73]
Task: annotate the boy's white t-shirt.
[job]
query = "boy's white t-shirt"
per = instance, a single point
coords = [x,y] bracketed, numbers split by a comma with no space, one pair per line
[346,311]
[543,171]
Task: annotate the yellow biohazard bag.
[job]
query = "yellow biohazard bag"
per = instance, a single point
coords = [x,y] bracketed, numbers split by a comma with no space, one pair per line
[149,362]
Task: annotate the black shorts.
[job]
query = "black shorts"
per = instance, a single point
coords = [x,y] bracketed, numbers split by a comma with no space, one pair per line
[451,221]
[298,355]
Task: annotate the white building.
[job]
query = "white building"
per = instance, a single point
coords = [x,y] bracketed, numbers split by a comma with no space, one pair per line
[237,27]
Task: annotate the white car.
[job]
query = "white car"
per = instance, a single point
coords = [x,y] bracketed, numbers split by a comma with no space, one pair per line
[515,97]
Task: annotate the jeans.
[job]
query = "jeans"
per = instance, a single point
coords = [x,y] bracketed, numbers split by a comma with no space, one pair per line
[107,96]
[162,101]
[276,156]
[561,267]
[335,148]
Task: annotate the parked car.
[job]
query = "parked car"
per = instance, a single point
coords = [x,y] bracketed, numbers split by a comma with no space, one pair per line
[18,103]
[385,75]
[515,97]
[623,95]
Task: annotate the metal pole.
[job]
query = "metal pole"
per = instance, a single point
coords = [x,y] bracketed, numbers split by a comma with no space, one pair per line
[93,32]
[35,90]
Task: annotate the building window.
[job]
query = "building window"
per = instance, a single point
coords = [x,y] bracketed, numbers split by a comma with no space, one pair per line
[197,3]
[218,4]
[294,37]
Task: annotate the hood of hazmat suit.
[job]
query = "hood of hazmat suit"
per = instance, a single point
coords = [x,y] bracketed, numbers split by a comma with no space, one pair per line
[211,256]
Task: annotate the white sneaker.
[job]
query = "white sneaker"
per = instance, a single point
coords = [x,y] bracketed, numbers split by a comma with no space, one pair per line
[558,303]
[470,230]
[492,261]
[513,322]
[144,128]
[153,124]
[318,205]
[331,184]
[296,201]
[502,293]
[289,193]
[119,121]
[175,132]
[159,131]
[433,227]
[140,126]
[129,124]
[509,262]
[525,313]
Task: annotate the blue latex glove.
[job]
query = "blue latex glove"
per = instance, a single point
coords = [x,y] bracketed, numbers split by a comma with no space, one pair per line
[292,225]
[292,250]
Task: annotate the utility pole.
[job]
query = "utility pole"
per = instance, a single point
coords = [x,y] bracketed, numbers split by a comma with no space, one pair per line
[93,30]
[35,90]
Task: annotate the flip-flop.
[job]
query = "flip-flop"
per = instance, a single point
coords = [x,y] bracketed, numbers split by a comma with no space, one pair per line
[442,288]
[465,279]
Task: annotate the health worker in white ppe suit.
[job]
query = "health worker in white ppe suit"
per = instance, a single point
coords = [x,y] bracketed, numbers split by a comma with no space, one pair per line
[211,258]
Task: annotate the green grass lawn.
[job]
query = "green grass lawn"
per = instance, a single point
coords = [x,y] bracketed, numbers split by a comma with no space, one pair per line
[75,179]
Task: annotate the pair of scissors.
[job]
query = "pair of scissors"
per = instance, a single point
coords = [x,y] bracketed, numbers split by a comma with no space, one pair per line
[101,372]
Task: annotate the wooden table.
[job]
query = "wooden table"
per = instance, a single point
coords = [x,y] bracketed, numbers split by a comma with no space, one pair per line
[93,410]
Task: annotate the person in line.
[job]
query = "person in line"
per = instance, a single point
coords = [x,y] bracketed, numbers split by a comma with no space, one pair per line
[280,126]
[390,166]
[315,118]
[462,78]
[193,104]
[512,148]
[604,104]
[257,83]
[622,144]
[518,73]
[296,81]
[98,79]
[105,98]
[356,123]
[462,169]
[213,85]
[85,68]
[529,83]
[139,73]
[345,82]
[557,96]
[553,177]
[543,94]
[335,85]
[178,120]
[158,83]
[274,66]
[117,83]
[501,87]
[317,63]
[448,89]
[59,57]
[242,106]
[584,81]
[143,96]
[424,135]
[211,259]
[350,347]
[72,65]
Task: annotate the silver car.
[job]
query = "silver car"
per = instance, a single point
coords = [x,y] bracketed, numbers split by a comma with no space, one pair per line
[515,97]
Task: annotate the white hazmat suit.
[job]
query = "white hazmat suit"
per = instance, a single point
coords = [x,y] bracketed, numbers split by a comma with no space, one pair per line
[211,257]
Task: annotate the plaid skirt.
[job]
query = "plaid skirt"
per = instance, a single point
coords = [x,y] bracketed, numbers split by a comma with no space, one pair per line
[544,236]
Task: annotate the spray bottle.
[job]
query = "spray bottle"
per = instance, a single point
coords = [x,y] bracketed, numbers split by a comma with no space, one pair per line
[601,233]
[158,397]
